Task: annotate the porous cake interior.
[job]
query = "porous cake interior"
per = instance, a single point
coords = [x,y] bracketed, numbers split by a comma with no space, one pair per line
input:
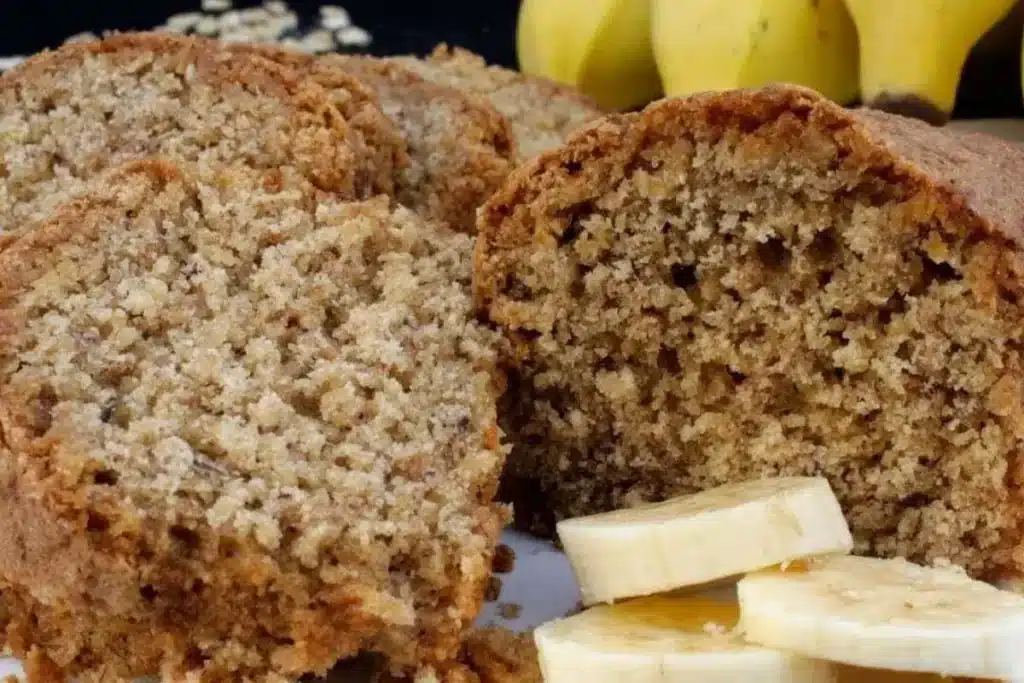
[460,149]
[67,116]
[248,367]
[751,305]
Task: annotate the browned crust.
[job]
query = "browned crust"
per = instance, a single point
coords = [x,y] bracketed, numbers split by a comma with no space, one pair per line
[321,148]
[377,139]
[969,182]
[91,588]
[972,178]
[446,55]
[468,159]
[543,113]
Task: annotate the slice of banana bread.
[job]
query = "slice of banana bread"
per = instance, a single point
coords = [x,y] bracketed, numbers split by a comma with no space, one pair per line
[244,432]
[376,137]
[69,114]
[543,113]
[760,283]
[460,147]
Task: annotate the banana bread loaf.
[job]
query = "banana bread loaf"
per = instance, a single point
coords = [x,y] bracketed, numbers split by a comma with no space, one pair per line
[460,147]
[375,136]
[69,114]
[543,113]
[759,283]
[244,432]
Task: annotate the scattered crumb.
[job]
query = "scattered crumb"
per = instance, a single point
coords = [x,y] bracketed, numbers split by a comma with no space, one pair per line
[504,560]
[510,610]
[493,590]
[216,5]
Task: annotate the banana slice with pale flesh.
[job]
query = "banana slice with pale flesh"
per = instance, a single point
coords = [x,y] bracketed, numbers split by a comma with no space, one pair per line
[698,539]
[887,614]
[664,639]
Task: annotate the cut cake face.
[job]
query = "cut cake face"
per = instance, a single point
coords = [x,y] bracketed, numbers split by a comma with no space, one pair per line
[760,283]
[68,115]
[246,432]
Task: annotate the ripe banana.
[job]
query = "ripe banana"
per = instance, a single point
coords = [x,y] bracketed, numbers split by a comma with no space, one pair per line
[602,47]
[701,538]
[714,45]
[664,640]
[887,614]
[913,51]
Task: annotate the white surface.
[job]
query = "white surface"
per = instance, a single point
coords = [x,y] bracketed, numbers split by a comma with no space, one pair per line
[542,584]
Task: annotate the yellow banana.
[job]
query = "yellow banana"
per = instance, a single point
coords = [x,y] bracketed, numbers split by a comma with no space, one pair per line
[715,45]
[913,51]
[602,47]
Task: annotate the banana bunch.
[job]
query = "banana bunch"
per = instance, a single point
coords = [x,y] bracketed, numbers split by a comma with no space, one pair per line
[803,611]
[899,55]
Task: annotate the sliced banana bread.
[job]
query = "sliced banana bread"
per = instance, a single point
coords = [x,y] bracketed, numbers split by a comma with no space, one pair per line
[760,283]
[543,113]
[69,114]
[460,147]
[376,137]
[244,432]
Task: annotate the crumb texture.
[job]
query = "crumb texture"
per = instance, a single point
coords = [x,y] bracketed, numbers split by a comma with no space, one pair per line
[460,148]
[543,113]
[489,655]
[376,139]
[70,114]
[245,432]
[755,284]
[497,655]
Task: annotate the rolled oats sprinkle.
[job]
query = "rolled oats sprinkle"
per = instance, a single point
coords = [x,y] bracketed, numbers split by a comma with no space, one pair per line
[272,22]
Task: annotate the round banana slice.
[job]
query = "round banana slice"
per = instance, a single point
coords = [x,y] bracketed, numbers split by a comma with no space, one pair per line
[887,614]
[665,640]
[705,537]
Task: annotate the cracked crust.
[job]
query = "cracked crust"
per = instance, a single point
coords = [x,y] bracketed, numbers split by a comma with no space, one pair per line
[460,147]
[543,113]
[230,514]
[378,138]
[754,283]
[69,114]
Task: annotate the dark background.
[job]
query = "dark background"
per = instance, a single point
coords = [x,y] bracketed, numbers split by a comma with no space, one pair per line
[991,86]
[484,26]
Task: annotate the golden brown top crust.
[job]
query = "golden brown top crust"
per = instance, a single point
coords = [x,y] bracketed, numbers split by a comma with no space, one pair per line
[984,170]
[68,114]
[971,175]
[250,426]
[460,147]
[543,113]
[378,139]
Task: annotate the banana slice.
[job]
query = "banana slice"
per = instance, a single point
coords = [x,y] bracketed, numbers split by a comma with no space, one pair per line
[701,538]
[665,640]
[887,614]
